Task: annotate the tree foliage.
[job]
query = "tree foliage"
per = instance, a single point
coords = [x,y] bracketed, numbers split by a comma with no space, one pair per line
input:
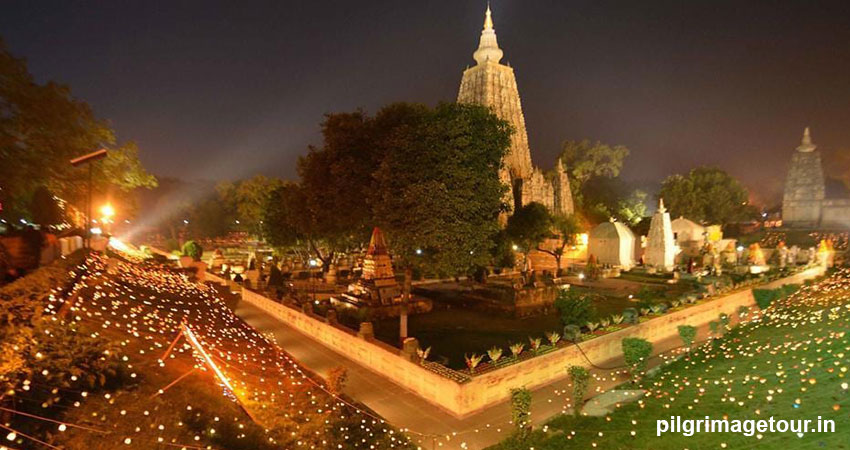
[574,307]
[529,226]
[42,127]
[437,188]
[707,195]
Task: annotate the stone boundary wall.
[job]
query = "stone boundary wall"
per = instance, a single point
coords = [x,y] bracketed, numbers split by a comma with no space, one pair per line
[490,388]
[377,356]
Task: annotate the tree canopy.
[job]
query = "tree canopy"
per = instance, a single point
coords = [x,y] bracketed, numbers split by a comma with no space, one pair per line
[529,226]
[42,127]
[429,177]
[707,195]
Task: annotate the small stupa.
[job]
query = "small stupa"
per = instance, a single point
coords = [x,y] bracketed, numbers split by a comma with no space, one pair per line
[377,286]
[661,245]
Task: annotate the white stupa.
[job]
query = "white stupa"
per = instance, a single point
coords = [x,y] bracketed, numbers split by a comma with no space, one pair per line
[661,245]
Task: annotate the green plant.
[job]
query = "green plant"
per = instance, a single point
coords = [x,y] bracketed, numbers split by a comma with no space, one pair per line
[521,411]
[636,353]
[605,322]
[714,327]
[724,320]
[553,337]
[743,311]
[572,333]
[687,333]
[423,354]
[630,315]
[764,297]
[580,378]
[592,326]
[535,343]
[574,308]
[494,353]
[472,361]
[617,319]
[193,249]
[516,348]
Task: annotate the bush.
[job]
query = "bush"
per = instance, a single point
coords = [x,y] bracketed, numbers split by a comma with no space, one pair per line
[193,249]
[521,411]
[764,297]
[630,315]
[688,334]
[636,353]
[572,333]
[574,308]
[580,378]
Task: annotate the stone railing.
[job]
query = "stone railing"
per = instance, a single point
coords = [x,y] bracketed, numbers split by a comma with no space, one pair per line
[462,394]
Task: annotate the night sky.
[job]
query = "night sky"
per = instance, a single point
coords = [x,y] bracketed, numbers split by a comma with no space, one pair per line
[215,90]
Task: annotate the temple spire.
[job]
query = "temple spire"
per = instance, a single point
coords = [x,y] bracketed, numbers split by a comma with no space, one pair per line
[488,19]
[488,48]
[806,144]
[661,208]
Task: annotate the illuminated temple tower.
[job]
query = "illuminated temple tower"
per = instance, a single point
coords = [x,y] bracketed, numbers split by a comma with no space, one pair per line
[493,84]
[804,187]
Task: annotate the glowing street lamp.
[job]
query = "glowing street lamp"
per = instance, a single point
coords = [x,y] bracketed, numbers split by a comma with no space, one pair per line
[107,212]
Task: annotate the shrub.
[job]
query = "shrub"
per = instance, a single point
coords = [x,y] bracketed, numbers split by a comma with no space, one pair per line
[472,361]
[521,411]
[630,315]
[687,333]
[516,348]
[714,327]
[535,343]
[553,337]
[592,326]
[605,322]
[580,378]
[617,319]
[636,353]
[193,249]
[494,353]
[724,320]
[572,333]
[742,312]
[574,308]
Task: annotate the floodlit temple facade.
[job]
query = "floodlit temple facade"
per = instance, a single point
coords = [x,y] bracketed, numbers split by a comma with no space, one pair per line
[493,84]
[805,202]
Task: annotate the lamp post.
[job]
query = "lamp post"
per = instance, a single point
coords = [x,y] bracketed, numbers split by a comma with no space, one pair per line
[89,159]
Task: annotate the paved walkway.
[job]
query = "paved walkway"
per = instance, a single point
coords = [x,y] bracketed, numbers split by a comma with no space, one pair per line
[405,409]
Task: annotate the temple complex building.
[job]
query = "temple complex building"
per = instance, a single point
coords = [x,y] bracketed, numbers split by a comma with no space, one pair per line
[806,202]
[493,84]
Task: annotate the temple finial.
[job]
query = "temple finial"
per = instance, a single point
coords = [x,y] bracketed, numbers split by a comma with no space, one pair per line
[661,207]
[488,48]
[806,143]
[488,18]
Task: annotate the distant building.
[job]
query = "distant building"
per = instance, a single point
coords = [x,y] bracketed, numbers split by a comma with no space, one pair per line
[806,202]
[612,243]
[492,84]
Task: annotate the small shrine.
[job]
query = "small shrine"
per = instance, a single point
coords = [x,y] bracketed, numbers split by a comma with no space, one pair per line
[377,286]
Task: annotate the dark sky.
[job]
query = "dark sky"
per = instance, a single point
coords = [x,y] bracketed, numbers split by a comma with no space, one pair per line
[226,89]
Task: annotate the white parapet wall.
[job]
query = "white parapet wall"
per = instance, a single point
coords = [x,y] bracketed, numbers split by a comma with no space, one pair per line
[487,389]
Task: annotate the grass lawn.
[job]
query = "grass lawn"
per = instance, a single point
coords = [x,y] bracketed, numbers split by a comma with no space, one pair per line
[793,362]
[451,332]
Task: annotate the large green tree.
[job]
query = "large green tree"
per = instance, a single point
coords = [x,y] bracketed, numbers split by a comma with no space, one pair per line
[707,195]
[437,193]
[42,127]
[586,160]
[247,198]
